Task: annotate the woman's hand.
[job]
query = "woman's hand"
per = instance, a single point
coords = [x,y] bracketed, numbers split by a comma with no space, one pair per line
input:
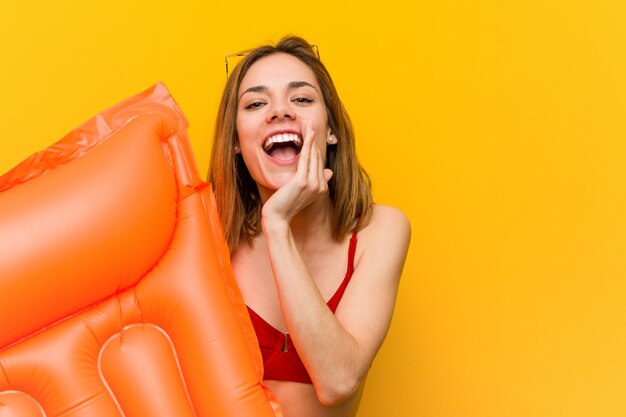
[309,183]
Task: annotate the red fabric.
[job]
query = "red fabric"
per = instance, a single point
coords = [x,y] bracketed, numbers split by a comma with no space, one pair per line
[280,358]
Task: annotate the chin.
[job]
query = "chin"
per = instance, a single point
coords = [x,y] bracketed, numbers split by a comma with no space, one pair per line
[276,177]
[280,180]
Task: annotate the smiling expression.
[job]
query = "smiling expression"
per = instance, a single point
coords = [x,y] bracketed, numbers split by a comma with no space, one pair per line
[278,94]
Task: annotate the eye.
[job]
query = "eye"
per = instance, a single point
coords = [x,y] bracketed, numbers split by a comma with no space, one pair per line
[302,100]
[254,105]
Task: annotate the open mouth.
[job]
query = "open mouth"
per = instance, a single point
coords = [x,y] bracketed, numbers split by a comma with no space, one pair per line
[283,146]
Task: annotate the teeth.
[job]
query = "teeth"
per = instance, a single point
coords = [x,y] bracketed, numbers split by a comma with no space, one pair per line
[281,138]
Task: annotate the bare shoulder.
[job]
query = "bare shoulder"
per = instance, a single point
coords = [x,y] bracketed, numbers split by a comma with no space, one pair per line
[387,223]
[368,304]
[385,239]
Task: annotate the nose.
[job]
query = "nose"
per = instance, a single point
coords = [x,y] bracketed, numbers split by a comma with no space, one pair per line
[280,110]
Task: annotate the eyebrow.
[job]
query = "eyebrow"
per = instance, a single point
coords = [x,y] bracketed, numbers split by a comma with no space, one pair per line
[298,84]
[291,86]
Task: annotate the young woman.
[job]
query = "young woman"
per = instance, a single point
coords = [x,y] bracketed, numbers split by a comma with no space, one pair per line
[317,262]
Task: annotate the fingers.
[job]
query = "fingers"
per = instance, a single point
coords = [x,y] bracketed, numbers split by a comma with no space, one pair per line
[328,174]
[309,183]
[311,169]
[305,152]
[314,164]
[318,175]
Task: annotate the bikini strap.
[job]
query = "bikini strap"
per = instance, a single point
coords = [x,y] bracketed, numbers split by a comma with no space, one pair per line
[334,301]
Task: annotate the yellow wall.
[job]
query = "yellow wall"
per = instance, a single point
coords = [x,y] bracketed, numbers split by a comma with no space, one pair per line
[498,126]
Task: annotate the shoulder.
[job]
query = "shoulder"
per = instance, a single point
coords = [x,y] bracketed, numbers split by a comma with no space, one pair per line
[385,238]
[387,222]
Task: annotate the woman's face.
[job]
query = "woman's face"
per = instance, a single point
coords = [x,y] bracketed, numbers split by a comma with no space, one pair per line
[277,96]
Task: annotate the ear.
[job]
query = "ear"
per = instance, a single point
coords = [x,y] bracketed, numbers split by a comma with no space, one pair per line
[237,149]
[331,139]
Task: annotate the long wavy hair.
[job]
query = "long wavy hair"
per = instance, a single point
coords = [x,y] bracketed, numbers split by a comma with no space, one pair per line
[238,200]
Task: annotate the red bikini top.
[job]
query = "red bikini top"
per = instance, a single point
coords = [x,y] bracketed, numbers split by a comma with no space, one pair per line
[280,359]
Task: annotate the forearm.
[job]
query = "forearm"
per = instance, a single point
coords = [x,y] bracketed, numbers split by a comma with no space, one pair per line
[333,357]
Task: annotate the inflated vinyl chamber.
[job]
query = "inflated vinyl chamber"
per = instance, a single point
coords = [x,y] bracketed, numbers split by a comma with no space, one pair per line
[116,292]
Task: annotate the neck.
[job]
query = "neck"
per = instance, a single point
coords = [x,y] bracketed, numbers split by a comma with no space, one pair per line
[313,222]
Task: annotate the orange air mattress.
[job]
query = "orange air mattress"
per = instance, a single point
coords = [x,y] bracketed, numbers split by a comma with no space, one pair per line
[116,292]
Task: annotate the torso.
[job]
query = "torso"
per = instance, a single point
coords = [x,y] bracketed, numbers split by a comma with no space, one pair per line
[327,261]
[388,230]
[300,400]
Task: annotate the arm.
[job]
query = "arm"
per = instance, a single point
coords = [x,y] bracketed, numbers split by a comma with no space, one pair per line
[337,349]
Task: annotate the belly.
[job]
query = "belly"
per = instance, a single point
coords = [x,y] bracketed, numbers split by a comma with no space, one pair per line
[300,400]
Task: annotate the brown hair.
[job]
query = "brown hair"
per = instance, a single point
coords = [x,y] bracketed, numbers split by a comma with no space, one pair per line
[238,201]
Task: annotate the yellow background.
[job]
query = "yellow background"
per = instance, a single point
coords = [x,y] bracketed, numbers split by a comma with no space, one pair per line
[498,127]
